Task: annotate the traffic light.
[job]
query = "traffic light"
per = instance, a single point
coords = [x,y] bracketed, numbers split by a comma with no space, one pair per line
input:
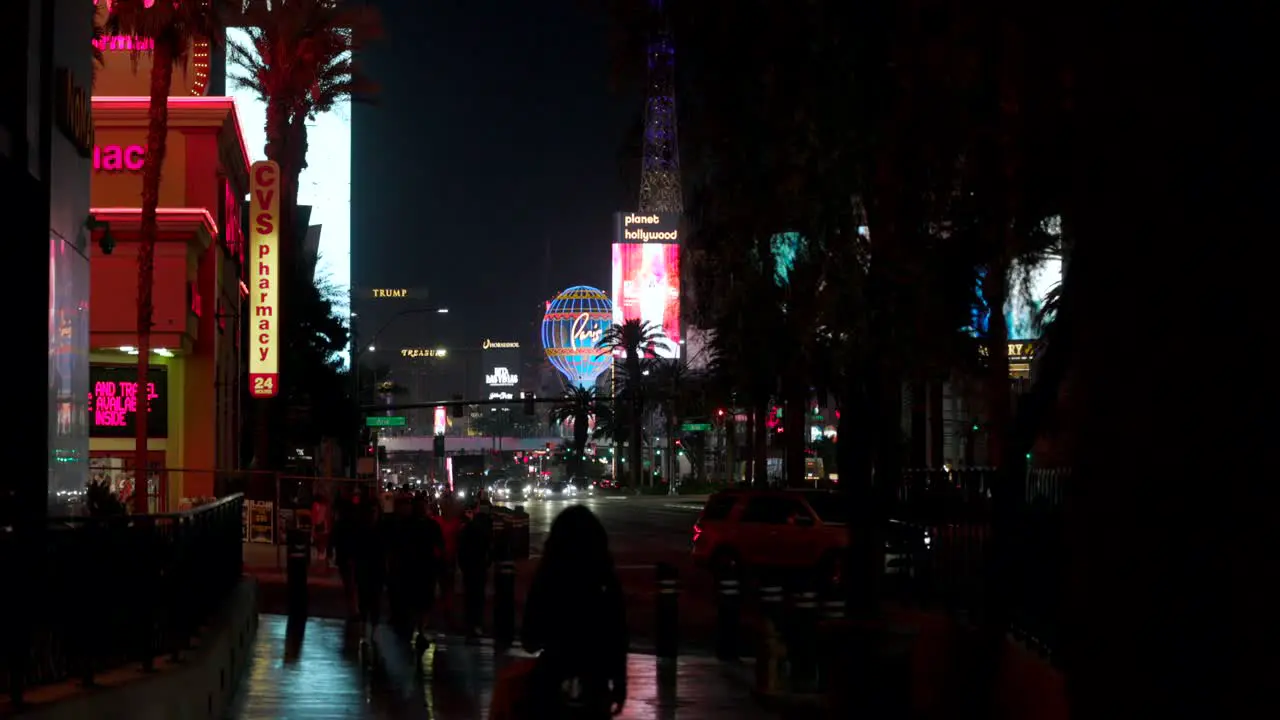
[456,410]
[437,446]
[382,453]
[720,413]
[528,403]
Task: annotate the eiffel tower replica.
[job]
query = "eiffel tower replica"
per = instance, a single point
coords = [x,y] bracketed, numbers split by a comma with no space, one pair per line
[660,190]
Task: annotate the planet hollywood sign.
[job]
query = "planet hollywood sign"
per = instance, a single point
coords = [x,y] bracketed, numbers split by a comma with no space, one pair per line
[501,377]
[649,228]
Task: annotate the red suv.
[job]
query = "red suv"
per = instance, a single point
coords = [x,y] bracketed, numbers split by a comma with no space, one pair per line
[784,529]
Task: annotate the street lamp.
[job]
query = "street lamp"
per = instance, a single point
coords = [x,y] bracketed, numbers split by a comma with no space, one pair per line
[356,354]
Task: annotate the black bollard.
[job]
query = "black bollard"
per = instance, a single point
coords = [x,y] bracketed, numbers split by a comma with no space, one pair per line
[728,617]
[297,564]
[771,652]
[504,602]
[668,615]
[802,641]
[520,534]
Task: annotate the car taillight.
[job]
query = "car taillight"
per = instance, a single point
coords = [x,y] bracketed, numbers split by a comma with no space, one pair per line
[697,531]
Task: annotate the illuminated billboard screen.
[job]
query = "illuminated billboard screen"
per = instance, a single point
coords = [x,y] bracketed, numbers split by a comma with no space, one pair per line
[646,287]
[1029,287]
[325,183]
[113,401]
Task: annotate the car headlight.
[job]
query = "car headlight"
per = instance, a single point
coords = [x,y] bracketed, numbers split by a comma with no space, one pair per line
[461,494]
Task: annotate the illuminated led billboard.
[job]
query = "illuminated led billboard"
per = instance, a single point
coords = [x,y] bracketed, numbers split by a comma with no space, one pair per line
[325,183]
[1029,288]
[263,276]
[113,401]
[646,287]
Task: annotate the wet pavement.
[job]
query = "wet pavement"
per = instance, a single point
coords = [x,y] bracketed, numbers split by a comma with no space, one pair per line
[311,669]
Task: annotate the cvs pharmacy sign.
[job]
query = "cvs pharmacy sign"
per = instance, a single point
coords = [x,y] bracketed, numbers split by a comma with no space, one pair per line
[264,276]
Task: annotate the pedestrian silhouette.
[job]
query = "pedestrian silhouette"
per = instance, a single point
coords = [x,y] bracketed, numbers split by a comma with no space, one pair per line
[575,617]
[475,543]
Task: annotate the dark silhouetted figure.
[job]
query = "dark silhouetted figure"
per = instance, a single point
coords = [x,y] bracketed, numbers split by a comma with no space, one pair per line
[575,615]
[342,542]
[370,550]
[423,550]
[475,541]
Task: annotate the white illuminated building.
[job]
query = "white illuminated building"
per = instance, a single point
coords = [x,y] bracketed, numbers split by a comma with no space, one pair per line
[325,184]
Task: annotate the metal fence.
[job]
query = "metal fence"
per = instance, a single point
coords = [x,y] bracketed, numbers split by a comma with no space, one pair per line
[92,594]
[955,508]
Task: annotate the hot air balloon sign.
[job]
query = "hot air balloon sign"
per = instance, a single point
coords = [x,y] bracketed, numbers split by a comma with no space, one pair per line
[572,328]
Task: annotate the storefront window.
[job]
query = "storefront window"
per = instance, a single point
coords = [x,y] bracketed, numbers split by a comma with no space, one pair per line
[68,428]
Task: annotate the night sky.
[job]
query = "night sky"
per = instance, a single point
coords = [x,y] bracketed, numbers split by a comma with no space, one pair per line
[490,167]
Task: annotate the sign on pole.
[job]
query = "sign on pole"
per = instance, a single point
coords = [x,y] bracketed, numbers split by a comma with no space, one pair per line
[264,279]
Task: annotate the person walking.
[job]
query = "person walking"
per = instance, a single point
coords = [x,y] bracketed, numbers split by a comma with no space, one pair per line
[450,525]
[399,562]
[475,541]
[343,543]
[575,618]
[424,548]
[370,550]
[320,527]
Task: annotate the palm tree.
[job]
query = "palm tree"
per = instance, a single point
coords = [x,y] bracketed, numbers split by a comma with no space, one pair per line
[671,383]
[300,60]
[578,406]
[171,26]
[633,338]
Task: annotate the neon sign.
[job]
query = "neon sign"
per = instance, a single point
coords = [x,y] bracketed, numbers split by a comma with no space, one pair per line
[390,293]
[582,332]
[423,352]
[233,234]
[110,43]
[264,345]
[495,345]
[194,302]
[656,227]
[119,157]
[113,401]
[501,377]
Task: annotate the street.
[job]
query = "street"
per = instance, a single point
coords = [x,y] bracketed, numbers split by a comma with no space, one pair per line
[643,531]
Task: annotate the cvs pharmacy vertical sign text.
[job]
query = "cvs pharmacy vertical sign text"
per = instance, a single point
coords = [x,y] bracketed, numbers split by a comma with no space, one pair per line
[264,277]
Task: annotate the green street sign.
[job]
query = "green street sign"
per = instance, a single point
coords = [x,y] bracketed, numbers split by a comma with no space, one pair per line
[385,421]
[695,427]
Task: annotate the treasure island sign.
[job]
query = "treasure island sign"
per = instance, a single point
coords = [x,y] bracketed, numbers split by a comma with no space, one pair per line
[264,273]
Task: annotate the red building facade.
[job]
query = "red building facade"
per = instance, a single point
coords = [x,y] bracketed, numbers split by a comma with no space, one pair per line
[198,295]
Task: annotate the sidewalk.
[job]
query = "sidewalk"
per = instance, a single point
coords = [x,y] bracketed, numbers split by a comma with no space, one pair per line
[313,670]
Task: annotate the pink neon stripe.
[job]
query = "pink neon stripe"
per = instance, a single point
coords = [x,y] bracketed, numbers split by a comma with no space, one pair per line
[200,214]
